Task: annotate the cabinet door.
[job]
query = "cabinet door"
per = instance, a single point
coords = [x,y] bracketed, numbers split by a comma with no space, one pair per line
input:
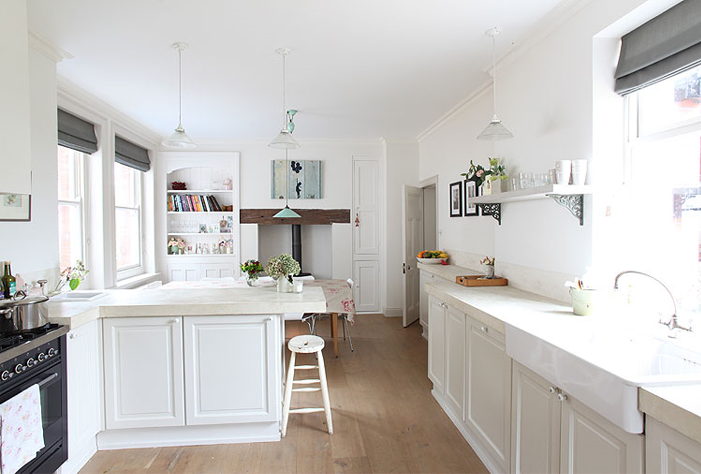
[230,374]
[535,424]
[455,359]
[183,272]
[143,372]
[592,444]
[423,298]
[668,451]
[488,391]
[84,393]
[366,207]
[436,344]
[366,291]
[216,270]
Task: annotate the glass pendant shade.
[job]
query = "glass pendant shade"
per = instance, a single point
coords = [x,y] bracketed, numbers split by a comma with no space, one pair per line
[495,131]
[179,139]
[284,141]
[287,212]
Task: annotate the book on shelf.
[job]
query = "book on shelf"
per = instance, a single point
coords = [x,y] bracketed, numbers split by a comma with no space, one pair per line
[193,203]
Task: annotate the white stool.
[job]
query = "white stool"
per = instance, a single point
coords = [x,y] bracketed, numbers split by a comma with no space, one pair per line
[306,345]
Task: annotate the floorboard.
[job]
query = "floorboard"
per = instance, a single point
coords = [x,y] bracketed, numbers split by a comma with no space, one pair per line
[385,419]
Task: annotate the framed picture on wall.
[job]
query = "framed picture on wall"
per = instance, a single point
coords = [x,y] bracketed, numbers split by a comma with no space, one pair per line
[471,208]
[16,207]
[456,199]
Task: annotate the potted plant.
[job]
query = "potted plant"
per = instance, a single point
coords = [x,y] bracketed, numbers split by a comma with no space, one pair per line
[496,176]
[282,269]
[71,275]
[476,173]
[252,269]
[176,246]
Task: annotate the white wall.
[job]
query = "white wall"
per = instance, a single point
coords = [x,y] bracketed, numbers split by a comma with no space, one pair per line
[546,98]
[33,246]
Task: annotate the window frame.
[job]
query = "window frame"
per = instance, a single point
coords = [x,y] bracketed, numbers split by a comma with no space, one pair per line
[81,202]
[130,271]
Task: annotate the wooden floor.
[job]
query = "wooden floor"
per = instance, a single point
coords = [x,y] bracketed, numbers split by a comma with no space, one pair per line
[385,420]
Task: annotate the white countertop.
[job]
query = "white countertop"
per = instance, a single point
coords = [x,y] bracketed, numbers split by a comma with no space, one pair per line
[448,272]
[678,407]
[196,302]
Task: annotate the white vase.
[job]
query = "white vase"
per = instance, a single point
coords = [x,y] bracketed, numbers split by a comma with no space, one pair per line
[283,285]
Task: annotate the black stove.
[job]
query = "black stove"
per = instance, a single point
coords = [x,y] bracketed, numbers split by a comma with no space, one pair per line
[18,338]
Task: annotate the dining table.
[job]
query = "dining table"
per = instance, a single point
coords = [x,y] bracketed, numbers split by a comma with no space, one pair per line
[338,295]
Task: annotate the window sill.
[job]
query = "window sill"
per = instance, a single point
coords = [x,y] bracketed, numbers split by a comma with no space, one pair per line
[137,281]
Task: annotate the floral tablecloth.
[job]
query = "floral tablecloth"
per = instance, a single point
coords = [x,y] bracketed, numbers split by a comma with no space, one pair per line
[339,296]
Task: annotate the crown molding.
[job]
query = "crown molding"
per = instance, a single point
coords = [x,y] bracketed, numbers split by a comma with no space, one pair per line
[47,48]
[71,92]
[555,18]
[211,144]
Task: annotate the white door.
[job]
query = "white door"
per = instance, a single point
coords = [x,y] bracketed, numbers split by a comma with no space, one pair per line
[366,290]
[219,391]
[412,244]
[436,343]
[366,207]
[669,451]
[590,443]
[535,424]
[455,359]
[183,272]
[488,391]
[143,372]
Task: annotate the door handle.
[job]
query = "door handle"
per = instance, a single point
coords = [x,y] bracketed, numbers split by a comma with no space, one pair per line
[404,268]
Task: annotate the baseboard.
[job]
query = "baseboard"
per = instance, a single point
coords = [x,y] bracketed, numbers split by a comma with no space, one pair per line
[76,462]
[393,312]
[491,465]
[189,435]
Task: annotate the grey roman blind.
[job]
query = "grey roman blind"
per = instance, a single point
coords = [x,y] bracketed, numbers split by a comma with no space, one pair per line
[76,133]
[666,45]
[131,155]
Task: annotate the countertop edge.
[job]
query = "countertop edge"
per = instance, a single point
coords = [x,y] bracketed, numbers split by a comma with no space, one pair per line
[670,413]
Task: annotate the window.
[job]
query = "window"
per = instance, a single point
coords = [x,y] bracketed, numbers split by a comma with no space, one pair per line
[71,209]
[127,200]
[663,218]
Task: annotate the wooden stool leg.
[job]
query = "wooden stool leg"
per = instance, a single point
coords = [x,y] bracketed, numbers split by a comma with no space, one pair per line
[325,392]
[288,394]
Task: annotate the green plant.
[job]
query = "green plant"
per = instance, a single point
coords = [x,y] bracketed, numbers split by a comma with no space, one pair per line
[252,268]
[284,265]
[496,170]
[476,173]
[72,275]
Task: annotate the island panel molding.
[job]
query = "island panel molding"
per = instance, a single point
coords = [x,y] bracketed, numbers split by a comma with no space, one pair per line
[308,217]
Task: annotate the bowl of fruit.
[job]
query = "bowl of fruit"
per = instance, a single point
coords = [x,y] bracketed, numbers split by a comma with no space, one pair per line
[432,257]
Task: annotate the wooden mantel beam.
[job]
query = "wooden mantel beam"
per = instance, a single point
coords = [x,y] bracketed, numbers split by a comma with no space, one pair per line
[309,217]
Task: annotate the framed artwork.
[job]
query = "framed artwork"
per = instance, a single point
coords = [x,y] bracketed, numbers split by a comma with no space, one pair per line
[304,179]
[16,207]
[471,208]
[456,199]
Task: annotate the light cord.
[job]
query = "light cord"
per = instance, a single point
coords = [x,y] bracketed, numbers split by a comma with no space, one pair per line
[180,87]
[494,71]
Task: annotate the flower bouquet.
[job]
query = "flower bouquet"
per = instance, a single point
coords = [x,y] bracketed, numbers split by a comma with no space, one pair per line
[71,275]
[252,269]
[282,269]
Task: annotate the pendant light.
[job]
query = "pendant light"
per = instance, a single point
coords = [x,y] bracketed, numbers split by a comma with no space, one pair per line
[495,130]
[179,138]
[287,212]
[284,139]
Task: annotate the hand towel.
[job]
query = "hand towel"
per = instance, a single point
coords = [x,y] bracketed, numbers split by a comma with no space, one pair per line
[21,432]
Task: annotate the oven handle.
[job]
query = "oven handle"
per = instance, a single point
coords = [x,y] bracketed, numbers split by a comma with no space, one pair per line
[48,379]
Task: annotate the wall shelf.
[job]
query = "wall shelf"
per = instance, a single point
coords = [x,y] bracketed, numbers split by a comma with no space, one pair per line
[569,196]
[199,191]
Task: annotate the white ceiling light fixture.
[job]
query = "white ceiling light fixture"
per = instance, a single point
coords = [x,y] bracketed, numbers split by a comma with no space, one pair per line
[284,139]
[179,138]
[287,212]
[495,130]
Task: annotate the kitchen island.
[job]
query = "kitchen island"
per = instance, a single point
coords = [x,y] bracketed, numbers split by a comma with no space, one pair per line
[170,367]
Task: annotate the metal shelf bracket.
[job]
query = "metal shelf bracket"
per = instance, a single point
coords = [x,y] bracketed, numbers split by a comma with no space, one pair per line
[493,210]
[574,203]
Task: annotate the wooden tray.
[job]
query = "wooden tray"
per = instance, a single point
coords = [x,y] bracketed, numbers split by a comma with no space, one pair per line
[478,280]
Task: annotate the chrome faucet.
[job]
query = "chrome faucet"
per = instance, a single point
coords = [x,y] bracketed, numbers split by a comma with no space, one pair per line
[673,322]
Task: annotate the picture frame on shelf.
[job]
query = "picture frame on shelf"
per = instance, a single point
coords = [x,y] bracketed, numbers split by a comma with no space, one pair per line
[456,199]
[16,207]
[471,192]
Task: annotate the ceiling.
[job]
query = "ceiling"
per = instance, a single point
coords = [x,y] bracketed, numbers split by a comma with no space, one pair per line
[359,69]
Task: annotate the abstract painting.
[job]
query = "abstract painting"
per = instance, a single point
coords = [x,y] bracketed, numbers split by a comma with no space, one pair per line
[304,179]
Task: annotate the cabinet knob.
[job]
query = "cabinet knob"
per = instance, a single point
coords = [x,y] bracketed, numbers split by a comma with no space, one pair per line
[174,320]
[484,329]
[552,389]
[72,335]
[561,397]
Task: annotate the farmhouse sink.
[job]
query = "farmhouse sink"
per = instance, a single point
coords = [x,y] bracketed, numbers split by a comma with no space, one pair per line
[79,296]
[603,368]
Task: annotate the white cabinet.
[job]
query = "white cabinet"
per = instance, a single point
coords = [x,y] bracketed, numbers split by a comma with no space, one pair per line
[143,372]
[488,391]
[535,426]
[16,157]
[219,390]
[192,271]
[668,451]
[553,432]
[366,290]
[424,278]
[436,344]
[455,358]
[183,272]
[366,207]
[83,351]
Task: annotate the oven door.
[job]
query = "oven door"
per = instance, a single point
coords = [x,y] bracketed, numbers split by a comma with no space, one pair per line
[52,389]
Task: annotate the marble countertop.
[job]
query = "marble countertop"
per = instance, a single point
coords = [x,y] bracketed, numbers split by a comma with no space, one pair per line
[199,302]
[677,406]
[448,272]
